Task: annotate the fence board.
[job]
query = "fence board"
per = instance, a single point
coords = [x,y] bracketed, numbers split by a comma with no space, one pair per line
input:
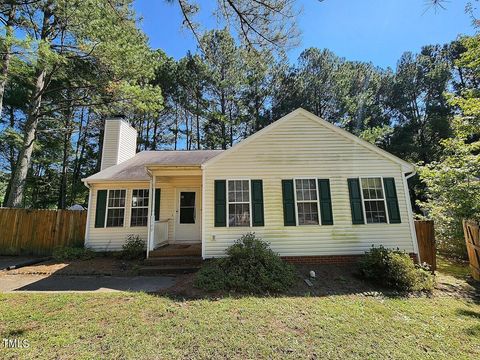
[38,232]
[426,242]
[471,231]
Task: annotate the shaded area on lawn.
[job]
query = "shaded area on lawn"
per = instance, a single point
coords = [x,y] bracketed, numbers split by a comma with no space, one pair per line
[96,283]
[453,280]
[99,265]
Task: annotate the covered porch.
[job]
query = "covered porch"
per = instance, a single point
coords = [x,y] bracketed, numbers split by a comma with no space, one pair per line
[175,211]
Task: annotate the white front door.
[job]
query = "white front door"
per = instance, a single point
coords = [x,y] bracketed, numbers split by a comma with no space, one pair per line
[188,217]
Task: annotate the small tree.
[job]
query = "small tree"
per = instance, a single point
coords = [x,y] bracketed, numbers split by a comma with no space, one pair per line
[453,183]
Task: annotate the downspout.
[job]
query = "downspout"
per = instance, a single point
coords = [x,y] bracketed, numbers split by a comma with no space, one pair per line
[203,213]
[410,213]
[87,225]
[150,212]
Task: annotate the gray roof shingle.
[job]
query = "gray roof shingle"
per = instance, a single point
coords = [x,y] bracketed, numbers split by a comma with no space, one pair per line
[134,168]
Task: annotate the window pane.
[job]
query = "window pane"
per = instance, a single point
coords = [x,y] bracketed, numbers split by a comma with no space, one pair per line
[375,212]
[238,191]
[139,217]
[306,189]
[187,215]
[115,217]
[187,207]
[239,215]
[187,199]
[372,188]
[140,197]
[307,213]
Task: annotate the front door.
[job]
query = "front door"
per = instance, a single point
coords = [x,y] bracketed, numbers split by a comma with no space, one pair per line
[187,223]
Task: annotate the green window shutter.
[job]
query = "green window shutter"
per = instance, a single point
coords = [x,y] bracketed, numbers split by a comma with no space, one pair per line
[288,203]
[257,203]
[101,208]
[392,201]
[326,212]
[220,203]
[157,204]
[356,201]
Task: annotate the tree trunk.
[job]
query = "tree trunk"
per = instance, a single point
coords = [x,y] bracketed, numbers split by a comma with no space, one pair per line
[6,54]
[11,158]
[198,126]
[62,194]
[176,126]
[223,126]
[100,147]
[187,134]
[79,153]
[15,196]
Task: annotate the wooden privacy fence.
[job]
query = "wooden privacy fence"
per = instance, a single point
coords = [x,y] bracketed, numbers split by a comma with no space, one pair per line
[38,232]
[471,231]
[426,242]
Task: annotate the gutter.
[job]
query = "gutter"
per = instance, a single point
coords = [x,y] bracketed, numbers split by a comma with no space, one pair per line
[410,213]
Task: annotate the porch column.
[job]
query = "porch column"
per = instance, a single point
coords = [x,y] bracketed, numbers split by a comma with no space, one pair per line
[152,212]
[149,221]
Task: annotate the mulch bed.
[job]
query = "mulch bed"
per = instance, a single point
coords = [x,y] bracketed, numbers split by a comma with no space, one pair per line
[109,266]
[331,280]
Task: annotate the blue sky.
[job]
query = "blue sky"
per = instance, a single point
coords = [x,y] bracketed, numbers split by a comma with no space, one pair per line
[370,30]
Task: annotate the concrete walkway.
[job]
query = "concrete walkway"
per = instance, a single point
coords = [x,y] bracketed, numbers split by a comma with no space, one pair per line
[62,283]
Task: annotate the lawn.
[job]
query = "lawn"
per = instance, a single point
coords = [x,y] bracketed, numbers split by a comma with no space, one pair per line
[135,325]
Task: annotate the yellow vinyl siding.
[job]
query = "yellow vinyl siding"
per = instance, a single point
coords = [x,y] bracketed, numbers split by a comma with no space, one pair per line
[112,238]
[302,147]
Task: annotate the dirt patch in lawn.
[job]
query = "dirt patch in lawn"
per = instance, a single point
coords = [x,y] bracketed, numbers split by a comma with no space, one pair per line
[335,280]
[96,266]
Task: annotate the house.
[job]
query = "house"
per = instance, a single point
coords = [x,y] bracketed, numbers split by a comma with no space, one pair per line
[312,190]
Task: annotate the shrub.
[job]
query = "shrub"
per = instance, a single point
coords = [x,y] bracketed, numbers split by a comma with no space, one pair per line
[72,253]
[134,248]
[395,268]
[250,266]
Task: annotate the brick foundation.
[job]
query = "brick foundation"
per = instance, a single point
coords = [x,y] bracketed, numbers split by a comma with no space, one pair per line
[330,259]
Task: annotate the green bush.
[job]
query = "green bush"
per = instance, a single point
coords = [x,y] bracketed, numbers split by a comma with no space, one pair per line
[134,248]
[72,253]
[250,266]
[395,269]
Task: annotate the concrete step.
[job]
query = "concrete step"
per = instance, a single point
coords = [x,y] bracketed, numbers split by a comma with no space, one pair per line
[167,269]
[177,250]
[173,260]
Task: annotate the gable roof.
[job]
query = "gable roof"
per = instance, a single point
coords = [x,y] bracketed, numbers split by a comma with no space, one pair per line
[134,169]
[406,166]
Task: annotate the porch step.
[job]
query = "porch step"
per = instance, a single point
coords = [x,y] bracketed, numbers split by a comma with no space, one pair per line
[167,269]
[177,251]
[173,260]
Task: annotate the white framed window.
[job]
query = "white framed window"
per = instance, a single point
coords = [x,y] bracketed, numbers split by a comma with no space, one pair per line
[238,203]
[115,208]
[306,199]
[139,215]
[373,198]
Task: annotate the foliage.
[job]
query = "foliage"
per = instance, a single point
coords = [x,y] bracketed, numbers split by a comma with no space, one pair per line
[72,253]
[394,268]
[453,182]
[250,266]
[134,248]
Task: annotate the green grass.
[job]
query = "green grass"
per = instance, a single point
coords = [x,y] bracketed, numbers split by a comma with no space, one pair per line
[456,268]
[135,325]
